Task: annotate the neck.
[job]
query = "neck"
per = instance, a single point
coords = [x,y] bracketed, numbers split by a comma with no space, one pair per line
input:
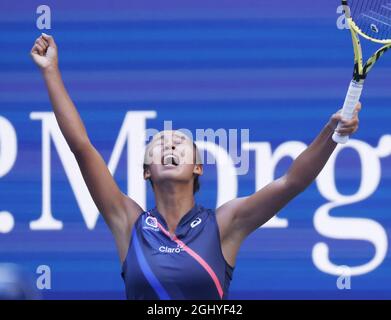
[173,201]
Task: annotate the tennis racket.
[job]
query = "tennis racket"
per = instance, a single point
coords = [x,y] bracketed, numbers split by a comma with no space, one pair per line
[370,19]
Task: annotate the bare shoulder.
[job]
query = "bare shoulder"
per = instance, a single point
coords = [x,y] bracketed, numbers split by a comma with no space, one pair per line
[225,216]
[132,209]
[229,239]
[123,233]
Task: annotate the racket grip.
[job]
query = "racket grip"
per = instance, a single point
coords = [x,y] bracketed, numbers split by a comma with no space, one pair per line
[351,100]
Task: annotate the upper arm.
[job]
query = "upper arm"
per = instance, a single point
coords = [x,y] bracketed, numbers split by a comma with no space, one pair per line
[118,210]
[239,217]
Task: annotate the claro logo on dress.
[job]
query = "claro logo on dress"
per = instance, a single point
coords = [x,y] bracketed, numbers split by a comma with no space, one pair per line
[166,249]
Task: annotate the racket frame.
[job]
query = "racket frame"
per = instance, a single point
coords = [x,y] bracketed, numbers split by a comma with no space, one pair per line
[360,70]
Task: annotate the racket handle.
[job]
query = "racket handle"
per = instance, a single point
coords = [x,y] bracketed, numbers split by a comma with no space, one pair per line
[351,100]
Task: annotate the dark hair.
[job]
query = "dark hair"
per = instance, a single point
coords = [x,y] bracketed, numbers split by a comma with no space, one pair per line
[196,184]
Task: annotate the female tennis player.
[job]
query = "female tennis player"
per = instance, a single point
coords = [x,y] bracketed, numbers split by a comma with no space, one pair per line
[179,249]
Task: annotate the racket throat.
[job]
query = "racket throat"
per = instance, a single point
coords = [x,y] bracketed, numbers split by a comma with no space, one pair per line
[359,75]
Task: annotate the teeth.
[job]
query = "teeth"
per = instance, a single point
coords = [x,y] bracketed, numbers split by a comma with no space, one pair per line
[170,159]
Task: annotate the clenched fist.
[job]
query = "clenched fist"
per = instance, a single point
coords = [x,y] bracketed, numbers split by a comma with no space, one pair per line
[348,127]
[44,52]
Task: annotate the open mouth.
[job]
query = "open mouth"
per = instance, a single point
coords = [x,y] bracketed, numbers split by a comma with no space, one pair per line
[170,160]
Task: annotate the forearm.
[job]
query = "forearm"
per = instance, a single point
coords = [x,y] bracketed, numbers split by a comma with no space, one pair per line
[67,116]
[311,161]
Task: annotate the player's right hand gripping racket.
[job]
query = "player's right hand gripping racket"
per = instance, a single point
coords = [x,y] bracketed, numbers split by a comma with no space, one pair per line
[372,20]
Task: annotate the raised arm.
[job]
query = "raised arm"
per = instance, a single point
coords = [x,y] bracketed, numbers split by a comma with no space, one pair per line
[118,210]
[239,217]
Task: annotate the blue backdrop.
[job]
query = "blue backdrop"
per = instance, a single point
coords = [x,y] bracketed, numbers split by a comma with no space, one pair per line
[277,68]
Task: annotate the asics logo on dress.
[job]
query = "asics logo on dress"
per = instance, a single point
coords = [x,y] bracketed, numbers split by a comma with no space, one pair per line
[195,223]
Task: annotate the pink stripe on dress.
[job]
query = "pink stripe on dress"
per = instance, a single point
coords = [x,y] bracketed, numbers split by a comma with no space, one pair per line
[198,258]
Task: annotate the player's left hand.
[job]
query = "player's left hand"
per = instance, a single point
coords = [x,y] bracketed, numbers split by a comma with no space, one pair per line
[348,127]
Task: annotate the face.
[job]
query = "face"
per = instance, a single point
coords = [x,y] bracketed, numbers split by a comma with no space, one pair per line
[170,156]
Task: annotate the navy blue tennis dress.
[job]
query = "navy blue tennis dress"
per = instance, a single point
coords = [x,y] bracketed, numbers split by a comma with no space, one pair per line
[188,265]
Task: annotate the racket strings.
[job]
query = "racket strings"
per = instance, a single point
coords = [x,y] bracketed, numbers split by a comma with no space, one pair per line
[373,17]
[385,18]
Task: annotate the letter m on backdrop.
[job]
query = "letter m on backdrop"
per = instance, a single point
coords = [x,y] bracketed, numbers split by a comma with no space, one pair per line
[132,133]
